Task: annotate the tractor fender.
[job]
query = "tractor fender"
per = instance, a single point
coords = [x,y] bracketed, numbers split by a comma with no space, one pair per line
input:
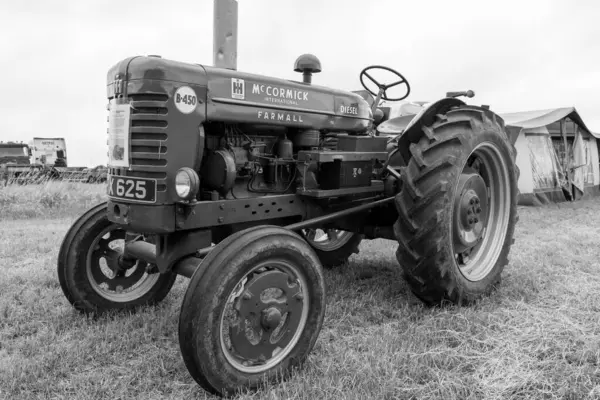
[425,117]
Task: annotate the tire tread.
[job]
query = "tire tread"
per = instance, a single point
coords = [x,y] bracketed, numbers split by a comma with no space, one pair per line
[421,205]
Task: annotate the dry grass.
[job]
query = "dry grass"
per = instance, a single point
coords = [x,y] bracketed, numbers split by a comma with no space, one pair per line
[537,337]
[52,199]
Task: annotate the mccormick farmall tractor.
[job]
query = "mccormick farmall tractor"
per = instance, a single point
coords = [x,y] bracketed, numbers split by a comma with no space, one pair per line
[224,177]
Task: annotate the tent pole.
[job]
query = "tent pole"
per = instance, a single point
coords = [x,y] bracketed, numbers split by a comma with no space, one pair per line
[563,133]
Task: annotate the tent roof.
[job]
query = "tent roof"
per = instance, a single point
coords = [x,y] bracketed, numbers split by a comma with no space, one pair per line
[538,118]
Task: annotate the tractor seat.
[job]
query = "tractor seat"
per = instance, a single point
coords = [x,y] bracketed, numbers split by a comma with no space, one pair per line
[395,126]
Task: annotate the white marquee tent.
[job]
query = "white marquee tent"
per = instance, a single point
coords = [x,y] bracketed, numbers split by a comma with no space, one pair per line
[548,172]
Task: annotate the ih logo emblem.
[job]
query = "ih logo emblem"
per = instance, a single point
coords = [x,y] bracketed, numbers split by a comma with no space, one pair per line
[237,89]
[356,172]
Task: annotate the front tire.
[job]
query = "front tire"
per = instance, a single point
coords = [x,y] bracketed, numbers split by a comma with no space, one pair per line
[458,207]
[274,283]
[88,272]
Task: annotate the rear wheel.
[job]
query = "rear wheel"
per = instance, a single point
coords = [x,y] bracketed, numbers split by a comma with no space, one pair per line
[458,207]
[252,311]
[91,275]
[334,247]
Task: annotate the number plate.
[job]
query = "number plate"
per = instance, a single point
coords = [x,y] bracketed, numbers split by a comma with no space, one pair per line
[132,189]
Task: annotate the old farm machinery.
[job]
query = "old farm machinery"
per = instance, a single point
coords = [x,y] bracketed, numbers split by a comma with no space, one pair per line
[224,177]
[42,160]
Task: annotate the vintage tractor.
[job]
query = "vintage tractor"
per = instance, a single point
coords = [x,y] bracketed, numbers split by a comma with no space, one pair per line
[227,176]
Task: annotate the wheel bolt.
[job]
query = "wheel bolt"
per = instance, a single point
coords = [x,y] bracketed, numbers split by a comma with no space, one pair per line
[469,211]
[470,221]
[478,210]
[476,201]
[476,220]
[472,201]
[299,296]
[247,296]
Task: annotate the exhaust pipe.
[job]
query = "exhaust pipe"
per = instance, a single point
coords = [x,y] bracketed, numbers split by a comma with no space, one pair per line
[225,24]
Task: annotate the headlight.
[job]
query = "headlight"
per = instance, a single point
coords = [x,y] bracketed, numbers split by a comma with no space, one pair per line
[187,183]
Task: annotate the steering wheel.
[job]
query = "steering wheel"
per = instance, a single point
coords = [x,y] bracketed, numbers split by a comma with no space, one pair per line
[383,88]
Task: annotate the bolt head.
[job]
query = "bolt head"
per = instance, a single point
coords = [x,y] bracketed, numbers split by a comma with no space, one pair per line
[478,210]
[476,220]
[472,201]
[471,221]
[469,211]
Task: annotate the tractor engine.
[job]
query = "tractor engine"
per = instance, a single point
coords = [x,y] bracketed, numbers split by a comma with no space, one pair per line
[244,160]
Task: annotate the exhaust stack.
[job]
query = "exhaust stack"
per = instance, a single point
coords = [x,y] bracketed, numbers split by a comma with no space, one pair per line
[225,34]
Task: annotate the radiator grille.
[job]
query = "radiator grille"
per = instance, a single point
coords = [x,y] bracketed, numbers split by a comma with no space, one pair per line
[148,149]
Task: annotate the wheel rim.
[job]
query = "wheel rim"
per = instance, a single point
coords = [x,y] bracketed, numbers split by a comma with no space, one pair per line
[481,212]
[327,240]
[269,311]
[104,274]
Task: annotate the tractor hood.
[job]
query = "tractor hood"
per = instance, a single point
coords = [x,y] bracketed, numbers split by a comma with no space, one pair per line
[156,68]
[234,96]
[153,69]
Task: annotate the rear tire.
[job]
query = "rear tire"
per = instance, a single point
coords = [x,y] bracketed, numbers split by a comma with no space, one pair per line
[450,247]
[240,270]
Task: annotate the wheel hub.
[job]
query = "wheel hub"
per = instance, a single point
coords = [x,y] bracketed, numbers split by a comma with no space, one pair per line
[125,263]
[470,211]
[265,313]
[271,318]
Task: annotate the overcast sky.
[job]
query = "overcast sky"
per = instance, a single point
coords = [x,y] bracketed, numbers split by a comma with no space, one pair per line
[516,55]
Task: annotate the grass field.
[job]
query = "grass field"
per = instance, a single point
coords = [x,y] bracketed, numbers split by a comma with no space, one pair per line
[536,337]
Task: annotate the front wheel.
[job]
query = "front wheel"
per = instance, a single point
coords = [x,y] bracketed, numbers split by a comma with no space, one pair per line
[252,311]
[91,275]
[458,207]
